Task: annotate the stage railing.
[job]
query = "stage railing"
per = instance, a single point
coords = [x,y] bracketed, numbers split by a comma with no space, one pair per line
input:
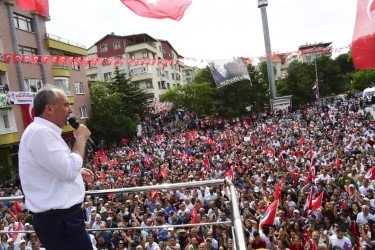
[236,222]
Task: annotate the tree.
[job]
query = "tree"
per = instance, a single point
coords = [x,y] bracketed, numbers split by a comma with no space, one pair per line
[298,83]
[363,79]
[134,100]
[117,108]
[196,97]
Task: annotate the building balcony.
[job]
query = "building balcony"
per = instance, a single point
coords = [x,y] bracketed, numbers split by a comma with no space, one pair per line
[67,128]
[141,46]
[141,77]
[9,136]
[3,67]
[60,71]
[62,44]
[71,99]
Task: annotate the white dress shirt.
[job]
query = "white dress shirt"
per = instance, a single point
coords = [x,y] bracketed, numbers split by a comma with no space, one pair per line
[50,173]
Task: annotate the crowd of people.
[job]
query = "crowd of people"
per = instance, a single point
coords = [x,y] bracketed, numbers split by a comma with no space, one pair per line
[309,153]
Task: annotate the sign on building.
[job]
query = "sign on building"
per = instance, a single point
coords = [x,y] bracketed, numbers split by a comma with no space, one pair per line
[21,97]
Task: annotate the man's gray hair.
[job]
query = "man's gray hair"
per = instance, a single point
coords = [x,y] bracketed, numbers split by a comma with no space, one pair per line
[45,96]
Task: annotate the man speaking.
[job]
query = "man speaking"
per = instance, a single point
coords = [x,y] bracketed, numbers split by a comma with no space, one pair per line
[52,175]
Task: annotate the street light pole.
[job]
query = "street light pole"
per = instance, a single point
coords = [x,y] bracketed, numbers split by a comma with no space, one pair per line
[262,4]
[316,74]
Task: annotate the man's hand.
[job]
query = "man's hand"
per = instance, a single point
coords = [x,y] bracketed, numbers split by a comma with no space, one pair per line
[87,175]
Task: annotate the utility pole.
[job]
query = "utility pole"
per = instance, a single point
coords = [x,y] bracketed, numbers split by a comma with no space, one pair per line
[262,4]
[316,74]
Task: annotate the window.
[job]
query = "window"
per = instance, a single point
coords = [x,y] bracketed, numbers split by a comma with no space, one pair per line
[149,85]
[83,112]
[79,88]
[138,70]
[103,48]
[308,59]
[33,85]
[116,45]
[178,78]
[145,54]
[6,121]
[166,74]
[107,76]
[23,23]
[173,76]
[27,51]
[132,56]
[75,66]
[168,85]
[63,84]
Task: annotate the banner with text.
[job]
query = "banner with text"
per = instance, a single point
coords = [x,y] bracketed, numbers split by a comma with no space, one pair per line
[226,73]
[21,97]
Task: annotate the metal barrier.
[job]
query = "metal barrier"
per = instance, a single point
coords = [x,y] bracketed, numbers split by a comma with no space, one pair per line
[236,222]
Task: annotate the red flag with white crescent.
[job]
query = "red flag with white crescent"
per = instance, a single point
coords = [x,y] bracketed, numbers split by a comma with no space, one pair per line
[363,49]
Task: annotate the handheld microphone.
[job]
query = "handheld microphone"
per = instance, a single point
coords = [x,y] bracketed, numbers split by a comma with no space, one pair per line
[74,123]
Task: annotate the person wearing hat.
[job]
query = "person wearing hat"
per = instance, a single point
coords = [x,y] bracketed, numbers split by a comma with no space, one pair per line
[52,175]
[22,245]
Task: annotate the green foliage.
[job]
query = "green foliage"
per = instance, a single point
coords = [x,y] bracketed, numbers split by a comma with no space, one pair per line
[117,104]
[232,100]
[363,79]
[298,83]
[5,173]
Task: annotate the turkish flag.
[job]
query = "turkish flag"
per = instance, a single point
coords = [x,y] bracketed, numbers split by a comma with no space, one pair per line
[40,6]
[6,58]
[269,217]
[158,8]
[44,59]
[26,58]
[69,60]
[27,113]
[371,174]
[315,204]
[278,188]
[194,214]
[61,60]
[338,163]
[363,49]
[16,58]
[53,60]
[34,59]
[229,175]
[206,164]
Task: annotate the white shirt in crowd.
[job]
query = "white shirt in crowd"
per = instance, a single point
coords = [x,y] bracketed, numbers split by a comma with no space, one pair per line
[50,173]
[362,219]
[343,243]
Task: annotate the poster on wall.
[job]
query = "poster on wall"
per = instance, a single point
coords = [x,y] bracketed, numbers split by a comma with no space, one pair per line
[21,97]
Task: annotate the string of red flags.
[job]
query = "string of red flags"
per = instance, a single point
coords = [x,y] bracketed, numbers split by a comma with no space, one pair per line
[83,61]
[61,60]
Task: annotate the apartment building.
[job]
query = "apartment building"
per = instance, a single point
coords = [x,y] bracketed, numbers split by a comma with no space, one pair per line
[307,53]
[24,33]
[155,79]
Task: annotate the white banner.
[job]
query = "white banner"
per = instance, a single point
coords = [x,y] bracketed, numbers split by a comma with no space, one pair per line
[21,97]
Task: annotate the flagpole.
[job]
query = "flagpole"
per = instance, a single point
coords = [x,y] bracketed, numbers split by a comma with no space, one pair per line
[316,74]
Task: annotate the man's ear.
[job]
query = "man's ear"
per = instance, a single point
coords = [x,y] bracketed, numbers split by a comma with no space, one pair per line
[48,109]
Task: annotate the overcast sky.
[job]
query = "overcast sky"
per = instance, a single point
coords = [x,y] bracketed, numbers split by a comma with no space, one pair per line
[212,29]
